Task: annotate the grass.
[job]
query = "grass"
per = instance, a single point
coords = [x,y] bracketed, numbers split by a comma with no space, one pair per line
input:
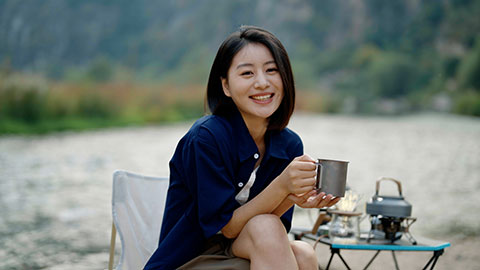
[32,105]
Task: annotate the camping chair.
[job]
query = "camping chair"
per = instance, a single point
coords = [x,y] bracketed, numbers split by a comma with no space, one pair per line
[138,203]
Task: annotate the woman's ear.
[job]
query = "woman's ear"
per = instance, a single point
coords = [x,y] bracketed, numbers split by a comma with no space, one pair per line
[225,87]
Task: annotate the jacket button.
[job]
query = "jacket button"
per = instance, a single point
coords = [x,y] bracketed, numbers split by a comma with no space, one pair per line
[256,156]
[240,184]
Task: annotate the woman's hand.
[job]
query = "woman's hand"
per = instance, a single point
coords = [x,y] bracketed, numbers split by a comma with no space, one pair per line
[314,200]
[299,176]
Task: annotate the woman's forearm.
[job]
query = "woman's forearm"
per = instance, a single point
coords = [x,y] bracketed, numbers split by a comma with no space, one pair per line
[283,207]
[273,196]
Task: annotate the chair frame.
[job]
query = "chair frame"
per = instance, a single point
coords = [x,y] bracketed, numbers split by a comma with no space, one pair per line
[112,246]
[114,228]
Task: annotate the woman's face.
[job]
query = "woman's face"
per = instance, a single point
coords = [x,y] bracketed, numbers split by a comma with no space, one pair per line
[254,83]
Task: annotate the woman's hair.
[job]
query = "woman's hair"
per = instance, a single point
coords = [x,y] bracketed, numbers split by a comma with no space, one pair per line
[220,104]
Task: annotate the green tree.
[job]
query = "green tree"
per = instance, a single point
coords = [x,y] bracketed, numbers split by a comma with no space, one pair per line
[469,70]
[392,75]
[100,71]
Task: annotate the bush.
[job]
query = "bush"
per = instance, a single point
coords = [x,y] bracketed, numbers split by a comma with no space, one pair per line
[468,103]
[94,106]
[392,75]
[100,71]
[23,104]
[469,70]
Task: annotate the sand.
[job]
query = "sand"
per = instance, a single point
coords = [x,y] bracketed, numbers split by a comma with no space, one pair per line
[55,190]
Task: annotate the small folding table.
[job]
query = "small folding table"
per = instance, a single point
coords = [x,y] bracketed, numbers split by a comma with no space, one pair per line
[422,245]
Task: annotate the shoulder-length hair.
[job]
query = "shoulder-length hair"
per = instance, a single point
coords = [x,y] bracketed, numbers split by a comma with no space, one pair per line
[220,104]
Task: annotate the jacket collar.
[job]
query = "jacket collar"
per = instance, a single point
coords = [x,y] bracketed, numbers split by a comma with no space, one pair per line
[274,142]
[276,145]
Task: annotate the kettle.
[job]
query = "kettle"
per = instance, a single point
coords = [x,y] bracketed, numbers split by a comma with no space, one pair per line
[389,206]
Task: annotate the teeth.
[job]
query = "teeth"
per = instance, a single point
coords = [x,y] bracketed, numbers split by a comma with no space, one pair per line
[262,97]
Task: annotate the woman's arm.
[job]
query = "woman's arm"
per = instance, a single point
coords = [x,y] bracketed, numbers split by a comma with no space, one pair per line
[263,203]
[283,207]
[297,178]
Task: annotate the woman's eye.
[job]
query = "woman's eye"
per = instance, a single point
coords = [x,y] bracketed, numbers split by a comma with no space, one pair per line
[271,70]
[246,73]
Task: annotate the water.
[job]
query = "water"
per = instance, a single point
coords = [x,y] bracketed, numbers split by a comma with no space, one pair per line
[55,190]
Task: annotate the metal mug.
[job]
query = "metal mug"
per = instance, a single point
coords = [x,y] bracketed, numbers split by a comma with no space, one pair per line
[331,176]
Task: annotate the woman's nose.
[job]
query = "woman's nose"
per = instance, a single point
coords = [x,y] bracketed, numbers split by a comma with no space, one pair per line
[261,81]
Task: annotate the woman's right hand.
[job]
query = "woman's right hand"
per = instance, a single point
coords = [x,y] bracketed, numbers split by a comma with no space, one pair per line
[299,176]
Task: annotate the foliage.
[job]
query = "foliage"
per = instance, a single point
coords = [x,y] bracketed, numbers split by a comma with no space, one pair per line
[468,103]
[62,105]
[391,75]
[100,70]
[135,62]
[469,69]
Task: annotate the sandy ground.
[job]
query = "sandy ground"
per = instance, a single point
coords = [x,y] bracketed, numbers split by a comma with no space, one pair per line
[55,190]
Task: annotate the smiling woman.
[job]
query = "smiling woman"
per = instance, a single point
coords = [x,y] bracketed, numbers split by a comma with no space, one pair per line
[221,104]
[254,84]
[236,175]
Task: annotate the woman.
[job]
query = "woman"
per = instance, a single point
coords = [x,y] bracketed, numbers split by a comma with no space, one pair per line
[237,173]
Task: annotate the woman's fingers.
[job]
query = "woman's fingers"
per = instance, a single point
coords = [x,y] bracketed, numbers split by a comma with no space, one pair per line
[304,162]
[296,199]
[333,202]
[324,202]
[302,198]
[304,157]
[310,199]
[304,166]
[304,189]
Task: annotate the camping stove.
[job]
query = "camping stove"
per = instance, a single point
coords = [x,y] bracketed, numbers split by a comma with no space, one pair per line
[390,215]
[391,228]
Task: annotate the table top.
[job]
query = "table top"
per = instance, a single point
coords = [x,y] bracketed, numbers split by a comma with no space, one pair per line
[423,244]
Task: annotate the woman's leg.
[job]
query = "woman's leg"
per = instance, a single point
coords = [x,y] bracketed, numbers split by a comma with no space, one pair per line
[265,243]
[305,255]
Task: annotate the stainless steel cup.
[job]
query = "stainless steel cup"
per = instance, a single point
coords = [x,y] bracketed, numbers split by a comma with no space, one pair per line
[331,176]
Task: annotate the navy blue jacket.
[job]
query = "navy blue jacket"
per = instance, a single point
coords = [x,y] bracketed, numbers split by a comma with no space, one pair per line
[211,164]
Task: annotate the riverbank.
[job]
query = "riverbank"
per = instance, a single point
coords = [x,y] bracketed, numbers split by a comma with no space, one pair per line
[55,190]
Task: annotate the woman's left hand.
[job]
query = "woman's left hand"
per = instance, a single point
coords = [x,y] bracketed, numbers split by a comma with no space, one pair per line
[313,200]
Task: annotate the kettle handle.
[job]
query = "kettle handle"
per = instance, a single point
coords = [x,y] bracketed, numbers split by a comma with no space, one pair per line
[399,184]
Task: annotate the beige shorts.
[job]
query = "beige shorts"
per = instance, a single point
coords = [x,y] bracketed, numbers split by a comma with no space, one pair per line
[218,255]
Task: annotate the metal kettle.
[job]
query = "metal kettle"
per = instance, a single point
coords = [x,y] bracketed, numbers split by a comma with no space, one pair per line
[389,206]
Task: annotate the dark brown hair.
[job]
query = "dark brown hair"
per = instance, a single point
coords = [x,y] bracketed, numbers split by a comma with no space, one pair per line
[220,104]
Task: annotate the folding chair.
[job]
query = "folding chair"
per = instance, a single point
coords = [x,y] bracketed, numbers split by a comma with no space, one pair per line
[138,203]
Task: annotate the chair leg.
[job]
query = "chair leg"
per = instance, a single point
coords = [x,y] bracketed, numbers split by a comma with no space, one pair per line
[112,247]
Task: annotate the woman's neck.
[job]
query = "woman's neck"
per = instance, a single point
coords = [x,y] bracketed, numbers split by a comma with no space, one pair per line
[257,130]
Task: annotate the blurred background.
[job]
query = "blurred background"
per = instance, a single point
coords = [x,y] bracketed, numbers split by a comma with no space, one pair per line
[80,64]
[392,86]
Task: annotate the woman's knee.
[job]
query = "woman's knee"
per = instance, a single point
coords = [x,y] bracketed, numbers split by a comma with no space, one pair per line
[305,254]
[266,229]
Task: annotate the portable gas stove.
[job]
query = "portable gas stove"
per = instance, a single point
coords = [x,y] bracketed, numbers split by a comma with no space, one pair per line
[390,215]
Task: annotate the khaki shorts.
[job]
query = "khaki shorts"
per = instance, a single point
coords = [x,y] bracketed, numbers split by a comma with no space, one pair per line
[218,255]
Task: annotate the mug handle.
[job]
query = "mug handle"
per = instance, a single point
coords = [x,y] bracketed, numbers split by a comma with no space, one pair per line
[318,184]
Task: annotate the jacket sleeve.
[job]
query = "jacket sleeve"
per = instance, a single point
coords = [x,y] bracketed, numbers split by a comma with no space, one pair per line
[211,182]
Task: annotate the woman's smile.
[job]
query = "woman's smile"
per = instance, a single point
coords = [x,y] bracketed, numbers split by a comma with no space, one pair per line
[263,98]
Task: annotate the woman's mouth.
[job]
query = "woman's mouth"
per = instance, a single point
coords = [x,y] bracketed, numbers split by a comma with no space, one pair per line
[262,97]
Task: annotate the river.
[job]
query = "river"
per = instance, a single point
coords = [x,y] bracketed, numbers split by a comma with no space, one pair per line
[55,190]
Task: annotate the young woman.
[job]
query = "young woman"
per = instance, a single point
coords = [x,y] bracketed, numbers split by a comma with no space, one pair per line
[236,175]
